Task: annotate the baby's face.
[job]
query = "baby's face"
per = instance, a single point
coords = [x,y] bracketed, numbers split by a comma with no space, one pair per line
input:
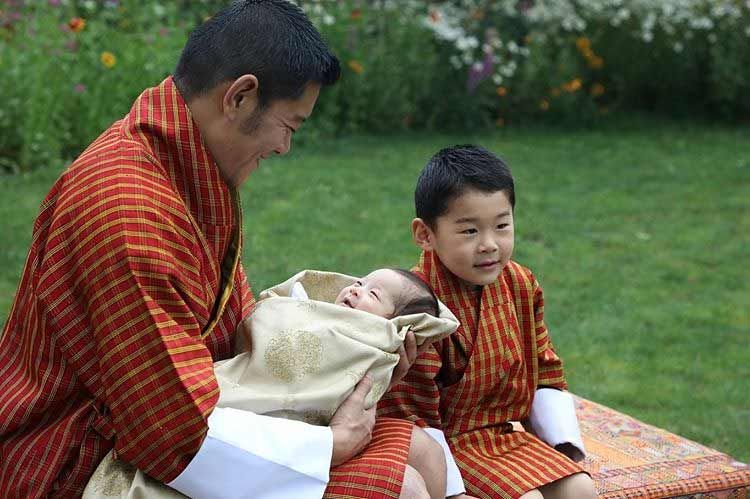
[375,293]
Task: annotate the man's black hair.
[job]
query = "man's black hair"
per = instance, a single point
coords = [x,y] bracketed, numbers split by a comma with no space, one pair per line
[453,171]
[271,39]
[417,300]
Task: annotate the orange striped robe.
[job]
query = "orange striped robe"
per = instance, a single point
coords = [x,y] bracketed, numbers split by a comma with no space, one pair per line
[132,288]
[475,382]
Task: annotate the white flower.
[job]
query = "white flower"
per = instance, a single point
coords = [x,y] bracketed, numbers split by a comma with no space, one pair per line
[648,37]
[477,66]
[497,79]
[328,19]
[455,61]
[678,47]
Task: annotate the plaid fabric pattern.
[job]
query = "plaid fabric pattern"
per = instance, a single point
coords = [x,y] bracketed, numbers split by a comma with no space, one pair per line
[473,383]
[379,471]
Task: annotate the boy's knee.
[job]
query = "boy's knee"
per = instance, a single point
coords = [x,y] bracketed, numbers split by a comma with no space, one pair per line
[581,485]
[414,486]
[425,449]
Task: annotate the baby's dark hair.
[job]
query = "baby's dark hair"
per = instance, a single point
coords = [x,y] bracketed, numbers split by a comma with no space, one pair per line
[417,298]
[453,171]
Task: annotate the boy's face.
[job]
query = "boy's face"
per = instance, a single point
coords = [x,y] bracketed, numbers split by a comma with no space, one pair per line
[375,293]
[473,238]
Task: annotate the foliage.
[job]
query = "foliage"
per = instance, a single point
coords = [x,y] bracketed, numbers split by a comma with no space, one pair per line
[71,67]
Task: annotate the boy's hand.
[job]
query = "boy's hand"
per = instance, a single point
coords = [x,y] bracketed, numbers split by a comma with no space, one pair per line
[570,450]
[408,353]
[352,424]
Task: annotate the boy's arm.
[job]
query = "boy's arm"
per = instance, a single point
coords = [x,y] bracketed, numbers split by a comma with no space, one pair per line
[417,398]
[552,417]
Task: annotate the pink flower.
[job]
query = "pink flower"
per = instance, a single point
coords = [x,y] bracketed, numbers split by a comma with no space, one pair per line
[79,88]
[54,3]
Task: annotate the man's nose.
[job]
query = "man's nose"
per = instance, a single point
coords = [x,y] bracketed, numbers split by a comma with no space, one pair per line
[285,146]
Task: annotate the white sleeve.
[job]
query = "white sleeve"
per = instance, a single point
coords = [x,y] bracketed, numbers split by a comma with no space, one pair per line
[553,419]
[454,484]
[253,456]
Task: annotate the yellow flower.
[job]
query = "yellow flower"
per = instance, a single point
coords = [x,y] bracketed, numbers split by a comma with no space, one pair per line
[597,89]
[356,66]
[77,24]
[108,59]
[584,45]
[596,62]
[502,91]
[544,104]
[572,86]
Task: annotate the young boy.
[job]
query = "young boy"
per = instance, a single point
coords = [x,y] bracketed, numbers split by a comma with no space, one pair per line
[500,365]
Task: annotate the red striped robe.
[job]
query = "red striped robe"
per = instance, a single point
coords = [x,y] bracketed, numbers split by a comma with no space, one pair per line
[132,288]
[475,382]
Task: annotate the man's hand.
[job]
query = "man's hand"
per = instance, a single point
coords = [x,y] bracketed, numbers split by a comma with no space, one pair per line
[408,353]
[243,334]
[352,424]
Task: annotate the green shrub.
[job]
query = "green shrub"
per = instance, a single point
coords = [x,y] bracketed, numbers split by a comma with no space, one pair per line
[456,64]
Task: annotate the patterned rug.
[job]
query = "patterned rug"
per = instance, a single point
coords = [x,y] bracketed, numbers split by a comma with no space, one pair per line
[630,459]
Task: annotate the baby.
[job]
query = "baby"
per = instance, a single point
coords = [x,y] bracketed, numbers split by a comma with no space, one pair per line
[389,293]
[313,338]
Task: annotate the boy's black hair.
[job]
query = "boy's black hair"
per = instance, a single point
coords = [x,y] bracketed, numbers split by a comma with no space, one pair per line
[419,299]
[453,171]
[271,39]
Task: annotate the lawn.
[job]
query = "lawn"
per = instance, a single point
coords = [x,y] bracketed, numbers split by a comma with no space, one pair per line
[639,236]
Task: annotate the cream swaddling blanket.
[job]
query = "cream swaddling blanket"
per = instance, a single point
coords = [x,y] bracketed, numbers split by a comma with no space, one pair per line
[307,356]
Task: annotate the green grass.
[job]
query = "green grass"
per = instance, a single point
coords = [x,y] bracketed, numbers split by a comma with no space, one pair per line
[639,237]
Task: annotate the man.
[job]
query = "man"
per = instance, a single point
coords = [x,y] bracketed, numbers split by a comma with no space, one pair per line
[132,289]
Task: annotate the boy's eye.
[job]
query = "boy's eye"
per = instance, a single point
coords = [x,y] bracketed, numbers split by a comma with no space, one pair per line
[502,226]
[469,231]
[373,293]
[358,283]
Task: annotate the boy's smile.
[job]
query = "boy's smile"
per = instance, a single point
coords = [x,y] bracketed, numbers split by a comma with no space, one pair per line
[473,238]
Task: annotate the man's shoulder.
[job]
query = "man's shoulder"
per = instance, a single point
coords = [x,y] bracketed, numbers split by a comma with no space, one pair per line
[117,177]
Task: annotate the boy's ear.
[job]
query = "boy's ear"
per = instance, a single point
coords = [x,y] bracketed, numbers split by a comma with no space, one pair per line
[422,234]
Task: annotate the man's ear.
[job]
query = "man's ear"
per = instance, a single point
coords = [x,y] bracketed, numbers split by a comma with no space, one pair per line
[240,97]
[422,234]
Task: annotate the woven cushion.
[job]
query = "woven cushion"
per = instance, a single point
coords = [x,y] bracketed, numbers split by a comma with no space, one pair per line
[629,459]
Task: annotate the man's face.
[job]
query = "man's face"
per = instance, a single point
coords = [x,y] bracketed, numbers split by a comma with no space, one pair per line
[474,238]
[375,293]
[259,133]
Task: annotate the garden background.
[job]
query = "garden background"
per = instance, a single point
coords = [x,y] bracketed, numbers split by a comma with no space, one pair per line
[625,124]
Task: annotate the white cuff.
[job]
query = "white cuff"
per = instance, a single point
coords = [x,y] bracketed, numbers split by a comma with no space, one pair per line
[253,456]
[553,419]
[454,484]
